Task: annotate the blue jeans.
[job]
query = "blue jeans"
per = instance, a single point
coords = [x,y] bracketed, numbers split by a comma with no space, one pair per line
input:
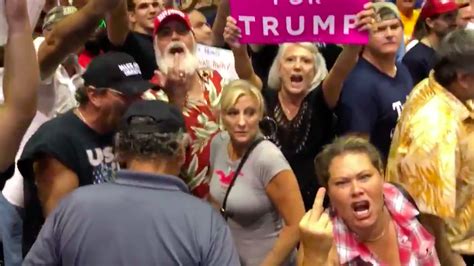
[11,228]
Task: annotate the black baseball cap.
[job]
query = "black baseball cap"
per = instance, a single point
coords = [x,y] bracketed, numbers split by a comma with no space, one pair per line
[167,118]
[118,71]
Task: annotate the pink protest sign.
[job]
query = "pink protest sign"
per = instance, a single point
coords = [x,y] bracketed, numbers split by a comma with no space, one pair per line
[278,21]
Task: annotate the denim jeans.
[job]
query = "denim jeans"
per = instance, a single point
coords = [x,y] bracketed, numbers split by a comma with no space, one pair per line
[11,227]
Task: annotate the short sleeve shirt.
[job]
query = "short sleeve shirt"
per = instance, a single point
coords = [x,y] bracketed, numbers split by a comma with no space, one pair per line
[371,103]
[202,124]
[254,221]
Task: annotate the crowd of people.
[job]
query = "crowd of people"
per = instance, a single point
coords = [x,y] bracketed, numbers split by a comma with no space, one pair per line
[119,148]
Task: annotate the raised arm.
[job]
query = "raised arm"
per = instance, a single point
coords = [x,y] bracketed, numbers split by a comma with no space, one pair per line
[70,34]
[117,24]
[346,61]
[20,82]
[223,12]
[243,63]
[316,230]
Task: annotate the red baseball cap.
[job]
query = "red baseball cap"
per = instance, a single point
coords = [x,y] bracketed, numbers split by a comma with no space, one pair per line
[437,7]
[170,14]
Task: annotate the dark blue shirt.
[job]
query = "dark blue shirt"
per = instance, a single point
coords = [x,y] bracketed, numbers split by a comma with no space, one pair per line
[419,61]
[142,219]
[371,103]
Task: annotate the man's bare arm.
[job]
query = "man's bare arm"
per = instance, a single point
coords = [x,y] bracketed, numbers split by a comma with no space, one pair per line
[70,34]
[117,24]
[54,182]
[20,82]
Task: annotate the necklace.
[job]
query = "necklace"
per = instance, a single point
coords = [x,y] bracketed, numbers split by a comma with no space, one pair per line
[82,116]
[377,237]
[371,240]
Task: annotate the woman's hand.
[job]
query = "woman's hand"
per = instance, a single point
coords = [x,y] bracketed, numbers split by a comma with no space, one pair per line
[316,231]
[232,34]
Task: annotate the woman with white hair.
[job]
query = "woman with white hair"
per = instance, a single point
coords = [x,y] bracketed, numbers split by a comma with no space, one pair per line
[300,97]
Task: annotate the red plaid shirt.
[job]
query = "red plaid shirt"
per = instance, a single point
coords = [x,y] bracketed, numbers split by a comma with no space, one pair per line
[415,243]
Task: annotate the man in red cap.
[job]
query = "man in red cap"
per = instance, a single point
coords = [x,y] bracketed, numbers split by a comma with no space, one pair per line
[437,19]
[194,90]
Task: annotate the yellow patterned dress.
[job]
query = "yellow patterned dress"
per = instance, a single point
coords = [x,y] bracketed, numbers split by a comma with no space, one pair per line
[432,155]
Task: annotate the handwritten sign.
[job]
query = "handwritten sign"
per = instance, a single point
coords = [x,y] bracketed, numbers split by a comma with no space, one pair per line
[278,21]
[218,59]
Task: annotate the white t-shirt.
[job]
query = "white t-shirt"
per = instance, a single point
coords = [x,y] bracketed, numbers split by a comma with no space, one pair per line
[55,96]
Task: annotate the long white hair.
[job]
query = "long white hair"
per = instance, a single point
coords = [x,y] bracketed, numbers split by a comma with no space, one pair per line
[321,71]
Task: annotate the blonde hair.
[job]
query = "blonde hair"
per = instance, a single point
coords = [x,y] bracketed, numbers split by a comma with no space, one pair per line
[236,89]
[321,71]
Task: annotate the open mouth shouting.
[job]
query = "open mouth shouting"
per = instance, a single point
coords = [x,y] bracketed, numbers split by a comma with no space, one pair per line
[177,49]
[296,80]
[361,209]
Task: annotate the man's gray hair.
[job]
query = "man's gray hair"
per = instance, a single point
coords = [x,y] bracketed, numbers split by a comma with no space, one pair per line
[455,54]
[274,77]
[130,142]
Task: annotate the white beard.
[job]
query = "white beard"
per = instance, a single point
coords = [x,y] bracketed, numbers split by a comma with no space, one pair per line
[470,26]
[188,62]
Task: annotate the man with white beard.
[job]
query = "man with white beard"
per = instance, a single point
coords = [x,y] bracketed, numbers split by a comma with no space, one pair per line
[194,90]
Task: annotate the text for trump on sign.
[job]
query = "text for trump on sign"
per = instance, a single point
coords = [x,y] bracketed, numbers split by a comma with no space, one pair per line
[277,21]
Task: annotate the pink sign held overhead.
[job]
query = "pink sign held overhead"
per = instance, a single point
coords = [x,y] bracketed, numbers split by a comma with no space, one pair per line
[278,21]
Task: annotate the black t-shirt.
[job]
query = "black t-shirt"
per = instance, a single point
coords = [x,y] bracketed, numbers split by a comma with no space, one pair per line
[371,103]
[419,60]
[85,152]
[140,47]
[301,138]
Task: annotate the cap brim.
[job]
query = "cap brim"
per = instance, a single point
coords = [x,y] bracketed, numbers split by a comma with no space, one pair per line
[169,18]
[134,87]
[455,7]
